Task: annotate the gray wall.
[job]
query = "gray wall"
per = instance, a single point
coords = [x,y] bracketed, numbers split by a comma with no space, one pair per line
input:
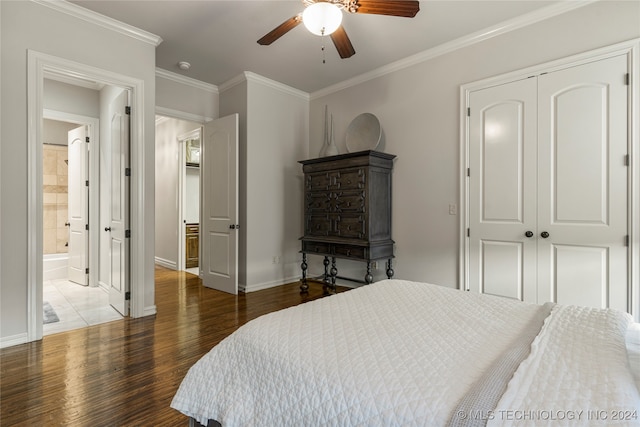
[190,99]
[28,25]
[419,111]
[277,132]
[273,137]
[71,99]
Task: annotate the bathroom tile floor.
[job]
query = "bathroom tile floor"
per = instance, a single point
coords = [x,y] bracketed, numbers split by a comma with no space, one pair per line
[77,306]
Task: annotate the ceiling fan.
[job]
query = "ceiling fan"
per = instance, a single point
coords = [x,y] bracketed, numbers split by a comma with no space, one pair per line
[324,17]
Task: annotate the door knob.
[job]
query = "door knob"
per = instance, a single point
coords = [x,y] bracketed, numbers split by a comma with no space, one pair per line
[234,226]
[107,229]
[544,234]
[529,233]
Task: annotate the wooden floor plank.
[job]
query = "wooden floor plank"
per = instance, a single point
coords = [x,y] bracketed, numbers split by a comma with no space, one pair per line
[125,373]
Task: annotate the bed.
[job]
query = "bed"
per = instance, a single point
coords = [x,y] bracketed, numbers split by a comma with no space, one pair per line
[401,353]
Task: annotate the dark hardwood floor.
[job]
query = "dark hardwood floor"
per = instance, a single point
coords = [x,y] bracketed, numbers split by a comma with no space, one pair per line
[125,373]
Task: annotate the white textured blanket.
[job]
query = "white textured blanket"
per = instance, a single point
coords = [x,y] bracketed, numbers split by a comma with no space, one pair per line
[394,353]
[578,373]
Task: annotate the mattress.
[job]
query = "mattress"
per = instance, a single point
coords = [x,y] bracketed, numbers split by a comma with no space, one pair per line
[406,353]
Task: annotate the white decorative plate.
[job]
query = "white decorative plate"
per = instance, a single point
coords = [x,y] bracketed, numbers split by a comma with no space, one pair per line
[363,133]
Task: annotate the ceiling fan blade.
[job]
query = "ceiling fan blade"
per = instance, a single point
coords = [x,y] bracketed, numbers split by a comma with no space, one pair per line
[280,30]
[403,8]
[342,43]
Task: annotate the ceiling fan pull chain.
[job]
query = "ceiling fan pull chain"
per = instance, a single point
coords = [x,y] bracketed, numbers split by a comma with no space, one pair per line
[324,59]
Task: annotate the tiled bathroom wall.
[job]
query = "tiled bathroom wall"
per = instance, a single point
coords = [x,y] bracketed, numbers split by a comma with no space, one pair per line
[55,199]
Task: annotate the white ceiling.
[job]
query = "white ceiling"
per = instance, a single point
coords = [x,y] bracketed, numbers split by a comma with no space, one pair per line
[219,37]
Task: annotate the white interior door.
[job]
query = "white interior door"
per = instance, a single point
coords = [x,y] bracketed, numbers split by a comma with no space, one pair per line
[119,205]
[548,187]
[502,189]
[582,187]
[78,206]
[219,204]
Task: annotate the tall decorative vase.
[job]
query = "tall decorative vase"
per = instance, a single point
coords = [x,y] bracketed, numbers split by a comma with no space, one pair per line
[325,142]
[332,149]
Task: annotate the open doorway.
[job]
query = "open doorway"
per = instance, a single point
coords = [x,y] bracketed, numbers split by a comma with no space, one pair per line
[119,96]
[177,194]
[218,201]
[70,299]
[189,195]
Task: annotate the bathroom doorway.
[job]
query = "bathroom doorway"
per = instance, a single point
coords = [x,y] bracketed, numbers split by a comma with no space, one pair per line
[71,299]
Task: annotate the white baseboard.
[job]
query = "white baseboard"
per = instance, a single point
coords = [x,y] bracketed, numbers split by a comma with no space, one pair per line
[267,285]
[173,265]
[13,340]
[103,285]
[150,311]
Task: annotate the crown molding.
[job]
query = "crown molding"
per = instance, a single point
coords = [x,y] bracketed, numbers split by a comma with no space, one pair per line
[248,76]
[240,78]
[161,119]
[459,43]
[179,78]
[101,20]
[253,77]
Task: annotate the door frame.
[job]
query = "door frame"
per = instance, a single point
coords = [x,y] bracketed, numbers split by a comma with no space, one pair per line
[630,48]
[93,125]
[182,195]
[39,65]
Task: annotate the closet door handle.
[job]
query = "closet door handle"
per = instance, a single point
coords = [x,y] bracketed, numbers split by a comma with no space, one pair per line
[529,233]
[544,234]
[107,229]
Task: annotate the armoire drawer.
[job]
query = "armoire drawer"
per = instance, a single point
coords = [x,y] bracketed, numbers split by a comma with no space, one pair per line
[346,251]
[317,247]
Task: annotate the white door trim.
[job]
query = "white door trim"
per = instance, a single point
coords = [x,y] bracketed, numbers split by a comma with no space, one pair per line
[94,178]
[40,64]
[630,48]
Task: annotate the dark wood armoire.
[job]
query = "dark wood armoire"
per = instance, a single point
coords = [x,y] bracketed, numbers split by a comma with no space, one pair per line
[347,212]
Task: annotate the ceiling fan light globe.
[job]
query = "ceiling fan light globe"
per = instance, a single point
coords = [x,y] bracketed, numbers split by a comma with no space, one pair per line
[322,18]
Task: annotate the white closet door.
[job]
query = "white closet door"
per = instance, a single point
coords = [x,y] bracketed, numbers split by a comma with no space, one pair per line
[502,188]
[582,187]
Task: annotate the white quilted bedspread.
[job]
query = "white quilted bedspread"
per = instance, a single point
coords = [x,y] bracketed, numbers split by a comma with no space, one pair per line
[391,353]
[577,373]
[394,353]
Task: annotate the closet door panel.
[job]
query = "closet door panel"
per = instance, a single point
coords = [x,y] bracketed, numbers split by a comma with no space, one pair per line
[502,188]
[582,185]
[581,275]
[502,268]
[501,162]
[579,152]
